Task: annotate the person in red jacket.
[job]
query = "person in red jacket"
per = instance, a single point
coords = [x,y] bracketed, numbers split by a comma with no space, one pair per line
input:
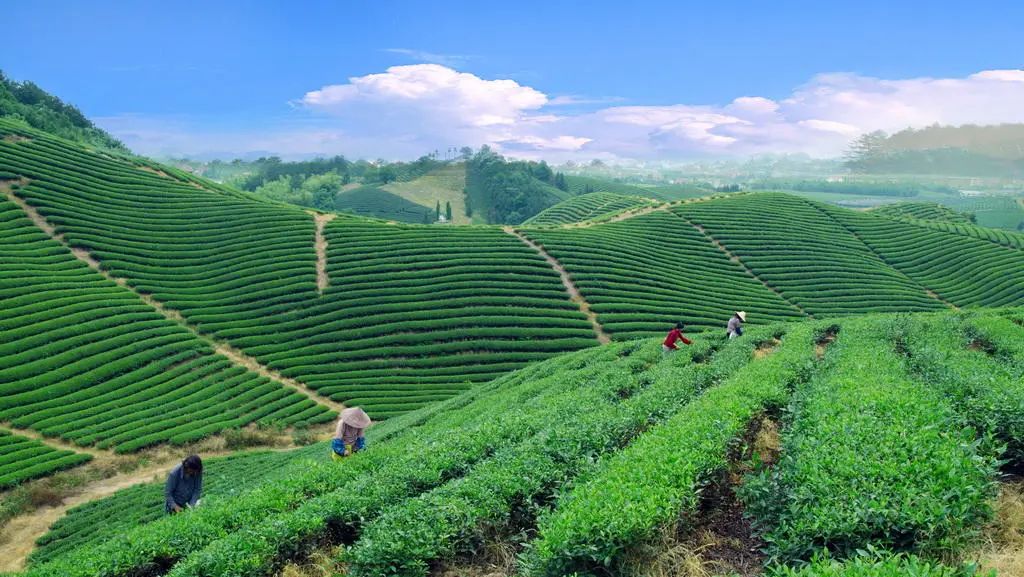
[676,334]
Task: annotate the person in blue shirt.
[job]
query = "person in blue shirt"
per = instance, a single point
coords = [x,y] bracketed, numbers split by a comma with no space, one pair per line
[184,485]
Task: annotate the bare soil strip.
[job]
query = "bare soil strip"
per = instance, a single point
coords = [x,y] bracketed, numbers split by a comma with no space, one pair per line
[570,286]
[15,138]
[1003,547]
[740,262]
[233,354]
[320,245]
[18,536]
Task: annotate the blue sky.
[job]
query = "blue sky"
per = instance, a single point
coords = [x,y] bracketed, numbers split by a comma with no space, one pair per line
[616,79]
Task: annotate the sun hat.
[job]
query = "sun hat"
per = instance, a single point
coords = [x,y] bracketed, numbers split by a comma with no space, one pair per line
[742,315]
[355,417]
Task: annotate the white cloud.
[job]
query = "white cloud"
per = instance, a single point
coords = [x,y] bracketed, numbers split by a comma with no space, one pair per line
[434,91]
[408,110]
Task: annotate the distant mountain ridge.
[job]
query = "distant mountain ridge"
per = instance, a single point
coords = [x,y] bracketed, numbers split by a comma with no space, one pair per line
[968,150]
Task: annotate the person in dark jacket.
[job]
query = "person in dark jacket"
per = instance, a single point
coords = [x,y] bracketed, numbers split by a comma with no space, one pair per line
[676,334]
[184,485]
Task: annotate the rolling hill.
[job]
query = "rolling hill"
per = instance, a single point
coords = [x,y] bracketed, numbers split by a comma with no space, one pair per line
[444,185]
[374,202]
[140,306]
[588,207]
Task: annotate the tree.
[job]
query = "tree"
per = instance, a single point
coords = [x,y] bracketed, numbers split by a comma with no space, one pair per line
[866,150]
[321,189]
[465,153]
[448,210]
[560,182]
[543,172]
[437,211]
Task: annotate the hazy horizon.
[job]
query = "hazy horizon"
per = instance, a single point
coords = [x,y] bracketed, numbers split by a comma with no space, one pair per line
[661,82]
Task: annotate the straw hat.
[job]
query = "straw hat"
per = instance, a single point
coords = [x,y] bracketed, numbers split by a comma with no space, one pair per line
[355,417]
[742,315]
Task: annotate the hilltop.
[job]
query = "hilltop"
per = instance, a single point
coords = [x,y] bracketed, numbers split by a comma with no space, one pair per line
[27,102]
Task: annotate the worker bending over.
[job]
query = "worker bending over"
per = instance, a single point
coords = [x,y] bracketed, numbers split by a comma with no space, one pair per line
[348,438]
[735,327]
[184,485]
[676,334]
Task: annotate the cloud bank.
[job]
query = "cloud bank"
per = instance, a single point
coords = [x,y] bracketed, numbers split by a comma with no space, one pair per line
[408,110]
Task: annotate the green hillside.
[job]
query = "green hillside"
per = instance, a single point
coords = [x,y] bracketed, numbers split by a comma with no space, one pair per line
[444,185]
[140,305]
[923,211]
[26,102]
[590,206]
[588,184]
[245,273]
[375,202]
[894,427]
[88,361]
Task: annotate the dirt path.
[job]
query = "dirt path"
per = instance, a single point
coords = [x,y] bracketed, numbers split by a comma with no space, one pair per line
[18,536]
[570,287]
[732,256]
[236,356]
[320,245]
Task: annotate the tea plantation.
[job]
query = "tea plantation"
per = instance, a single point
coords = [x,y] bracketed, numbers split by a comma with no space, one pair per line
[893,427]
[85,360]
[588,207]
[142,306]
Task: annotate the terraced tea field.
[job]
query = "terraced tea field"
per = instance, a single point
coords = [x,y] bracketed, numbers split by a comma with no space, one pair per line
[588,207]
[86,360]
[22,459]
[879,418]
[141,306]
[922,211]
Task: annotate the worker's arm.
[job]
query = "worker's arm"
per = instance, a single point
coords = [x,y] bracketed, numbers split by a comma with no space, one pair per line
[197,493]
[169,487]
[685,340]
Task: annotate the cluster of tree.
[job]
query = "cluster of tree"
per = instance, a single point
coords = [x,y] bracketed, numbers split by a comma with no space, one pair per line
[39,109]
[317,191]
[509,192]
[269,169]
[315,183]
[996,151]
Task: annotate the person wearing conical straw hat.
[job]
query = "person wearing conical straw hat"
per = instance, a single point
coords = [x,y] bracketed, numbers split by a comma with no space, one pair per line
[735,327]
[348,437]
